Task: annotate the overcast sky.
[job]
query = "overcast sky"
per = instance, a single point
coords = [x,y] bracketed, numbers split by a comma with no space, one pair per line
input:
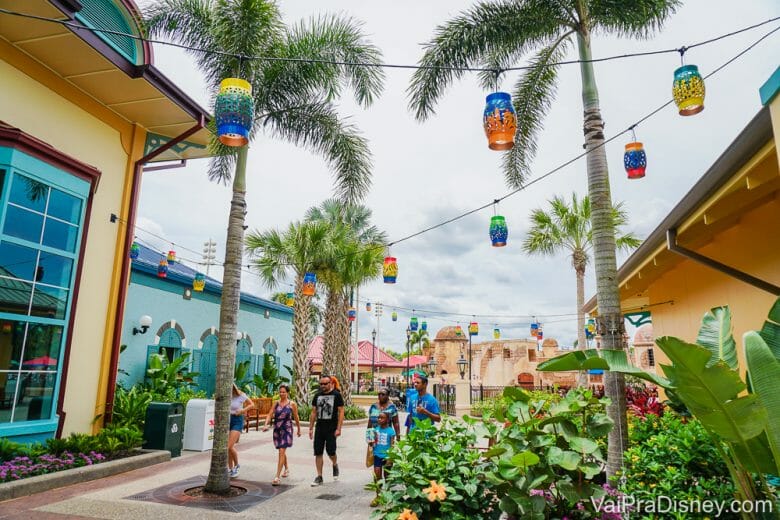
[428,173]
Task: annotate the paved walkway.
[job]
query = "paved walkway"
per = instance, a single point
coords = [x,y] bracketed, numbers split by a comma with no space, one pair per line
[105,498]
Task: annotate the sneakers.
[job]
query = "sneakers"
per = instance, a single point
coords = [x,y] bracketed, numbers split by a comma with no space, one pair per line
[336,472]
[317,481]
[234,472]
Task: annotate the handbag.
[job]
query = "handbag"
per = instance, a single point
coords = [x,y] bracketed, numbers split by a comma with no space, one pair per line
[369,456]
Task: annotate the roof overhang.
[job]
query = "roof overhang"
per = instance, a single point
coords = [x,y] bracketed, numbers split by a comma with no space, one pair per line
[137,93]
[745,175]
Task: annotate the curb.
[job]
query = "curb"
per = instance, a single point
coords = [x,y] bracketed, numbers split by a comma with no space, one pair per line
[40,483]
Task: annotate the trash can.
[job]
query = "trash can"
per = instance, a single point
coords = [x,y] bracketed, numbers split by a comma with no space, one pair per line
[199,426]
[164,427]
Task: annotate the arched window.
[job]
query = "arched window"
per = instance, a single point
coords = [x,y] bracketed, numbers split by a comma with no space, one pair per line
[170,340]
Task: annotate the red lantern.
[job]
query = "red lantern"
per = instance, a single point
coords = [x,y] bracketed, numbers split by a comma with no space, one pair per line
[390,269]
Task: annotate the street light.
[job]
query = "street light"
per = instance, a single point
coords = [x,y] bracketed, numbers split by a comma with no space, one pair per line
[408,343]
[462,366]
[373,353]
[432,367]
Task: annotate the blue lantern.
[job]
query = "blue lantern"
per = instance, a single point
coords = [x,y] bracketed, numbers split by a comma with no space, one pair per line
[498,231]
[351,314]
[424,325]
[413,324]
[135,250]
[309,284]
[234,112]
[499,121]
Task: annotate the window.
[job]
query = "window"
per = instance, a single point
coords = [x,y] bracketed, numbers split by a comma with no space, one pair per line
[531,355]
[650,357]
[42,212]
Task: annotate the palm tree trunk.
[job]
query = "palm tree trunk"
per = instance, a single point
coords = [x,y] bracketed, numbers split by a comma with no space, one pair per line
[218,480]
[300,339]
[342,351]
[333,310]
[579,269]
[610,320]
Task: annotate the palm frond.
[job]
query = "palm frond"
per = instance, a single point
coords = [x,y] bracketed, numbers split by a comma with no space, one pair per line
[634,19]
[222,161]
[316,126]
[532,97]
[487,31]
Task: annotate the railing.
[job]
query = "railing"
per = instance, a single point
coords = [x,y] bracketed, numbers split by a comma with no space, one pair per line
[445,394]
[480,393]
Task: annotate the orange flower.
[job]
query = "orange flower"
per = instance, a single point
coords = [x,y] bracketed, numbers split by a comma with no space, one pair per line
[435,492]
[407,514]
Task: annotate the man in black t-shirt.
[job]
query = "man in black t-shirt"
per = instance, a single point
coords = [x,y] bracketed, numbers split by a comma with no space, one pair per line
[327,408]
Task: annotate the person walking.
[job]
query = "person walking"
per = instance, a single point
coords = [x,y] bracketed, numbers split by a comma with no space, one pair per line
[239,404]
[283,413]
[383,404]
[327,408]
[423,406]
[382,439]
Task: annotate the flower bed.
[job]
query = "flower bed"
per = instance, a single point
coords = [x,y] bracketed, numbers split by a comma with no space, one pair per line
[22,467]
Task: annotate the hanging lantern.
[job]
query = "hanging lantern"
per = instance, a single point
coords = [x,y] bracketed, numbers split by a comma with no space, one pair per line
[499,121]
[590,329]
[390,269]
[424,325]
[162,269]
[135,250]
[635,160]
[171,257]
[496,333]
[413,324]
[368,306]
[234,112]
[473,328]
[309,284]
[351,314]
[540,333]
[534,329]
[498,231]
[395,316]
[688,90]
[290,299]
[199,282]
[458,330]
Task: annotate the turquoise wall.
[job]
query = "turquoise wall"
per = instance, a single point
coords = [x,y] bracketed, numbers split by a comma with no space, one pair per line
[162,300]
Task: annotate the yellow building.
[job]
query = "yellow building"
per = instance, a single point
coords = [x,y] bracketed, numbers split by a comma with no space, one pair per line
[82,111]
[720,245]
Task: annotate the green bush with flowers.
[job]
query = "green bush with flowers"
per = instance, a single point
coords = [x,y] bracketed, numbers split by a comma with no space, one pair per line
[437,473]
[674,458]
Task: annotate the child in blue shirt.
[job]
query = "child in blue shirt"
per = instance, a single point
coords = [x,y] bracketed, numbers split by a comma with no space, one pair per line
[383,438]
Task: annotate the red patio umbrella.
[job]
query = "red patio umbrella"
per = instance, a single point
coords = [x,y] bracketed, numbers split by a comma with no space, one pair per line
[40,361]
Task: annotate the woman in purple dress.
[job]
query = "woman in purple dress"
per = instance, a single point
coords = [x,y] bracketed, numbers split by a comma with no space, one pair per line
[283,412]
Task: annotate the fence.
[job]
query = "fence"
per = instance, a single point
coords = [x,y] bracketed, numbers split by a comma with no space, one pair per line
[445,394]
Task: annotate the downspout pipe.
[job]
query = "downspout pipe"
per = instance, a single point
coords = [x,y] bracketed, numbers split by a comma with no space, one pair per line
[129,232]
[671,244]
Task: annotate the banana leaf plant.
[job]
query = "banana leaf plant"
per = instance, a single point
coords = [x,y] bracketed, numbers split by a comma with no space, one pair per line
[269,379]
[164,374]
[742,417]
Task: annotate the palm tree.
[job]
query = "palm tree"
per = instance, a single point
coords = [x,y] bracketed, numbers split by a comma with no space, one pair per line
[293,100]
[496,35]
[353,264]
[356,220]
[421,339]
[300,249]
[567,227]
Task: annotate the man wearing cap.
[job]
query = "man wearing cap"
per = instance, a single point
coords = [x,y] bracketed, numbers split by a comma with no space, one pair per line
[423,405]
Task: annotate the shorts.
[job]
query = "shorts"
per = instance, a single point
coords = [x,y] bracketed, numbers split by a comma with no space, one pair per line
[324,440]
[236,423]
[379,462]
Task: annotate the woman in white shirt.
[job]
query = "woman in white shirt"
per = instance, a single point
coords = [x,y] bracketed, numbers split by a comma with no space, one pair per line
[239,404]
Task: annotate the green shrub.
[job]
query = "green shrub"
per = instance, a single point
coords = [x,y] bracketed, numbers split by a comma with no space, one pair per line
[437,457]
[353,412]
[130,407]
[675,459]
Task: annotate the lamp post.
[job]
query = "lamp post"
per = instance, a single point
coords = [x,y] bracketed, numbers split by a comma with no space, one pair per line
[432,367]
[373,353]
[462,366]
[408,343]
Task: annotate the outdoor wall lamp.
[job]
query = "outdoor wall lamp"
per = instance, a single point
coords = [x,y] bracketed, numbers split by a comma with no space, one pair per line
[239,337]
[462,365]
[432,367]
[145,322]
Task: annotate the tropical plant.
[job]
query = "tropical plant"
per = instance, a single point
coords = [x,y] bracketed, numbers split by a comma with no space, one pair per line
[567,227]
[268,381]
[437,473]
[496,35]
[345,273]
[420,338]
[130,407]
[175,374]
[300,248]
[642,401]
[548,456]
[675,459]
[705,377]
[295,100]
